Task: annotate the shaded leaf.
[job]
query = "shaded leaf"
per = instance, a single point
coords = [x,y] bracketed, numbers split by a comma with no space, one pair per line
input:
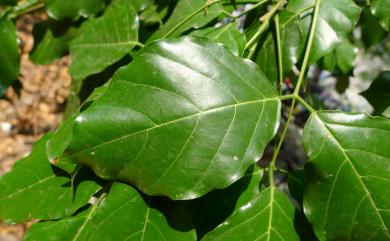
[379,94]
[9,55]
[184,118]
[73,9]
[372,32]
[182,11]
[34,189]
[227,35]
[267,217]
[342,58]
[381,10]
[121,215]
[347,178]
[105,40]
[7,2]
[213,208]
[51,41]
[141,5]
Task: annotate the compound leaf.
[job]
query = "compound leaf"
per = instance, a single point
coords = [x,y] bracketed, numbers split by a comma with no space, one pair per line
[105,40]
[34,189]
[185,117]
[348,178]
[267,217]
[121,215]
[9,55]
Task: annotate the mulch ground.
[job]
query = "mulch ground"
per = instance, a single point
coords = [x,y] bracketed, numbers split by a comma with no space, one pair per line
[35,110]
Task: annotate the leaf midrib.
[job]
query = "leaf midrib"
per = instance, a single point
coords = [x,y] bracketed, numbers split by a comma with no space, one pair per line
[175,121]
[348,160]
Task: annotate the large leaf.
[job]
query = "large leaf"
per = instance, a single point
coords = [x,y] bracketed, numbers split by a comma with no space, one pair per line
[34,189]
[342,58]
[381,9]
[267,217]
[185,117]
[73,9]
[182,11]
[9,55]
[227,35]
[105,40]
[213,208]
[336,21]
[379,94]
[347,178]
[51,41]
[121,215]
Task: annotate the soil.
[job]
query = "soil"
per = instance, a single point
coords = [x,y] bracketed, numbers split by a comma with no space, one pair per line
[35,110]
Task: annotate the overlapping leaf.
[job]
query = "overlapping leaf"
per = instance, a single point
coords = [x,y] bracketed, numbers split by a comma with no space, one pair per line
[73,9]
[9,55]
[179,21]
[381,9]
[121,215]
[227,35]
[336,20]
[35,189]
[379,94]
[267,217]
[184,118]
[105,40]
[348,179]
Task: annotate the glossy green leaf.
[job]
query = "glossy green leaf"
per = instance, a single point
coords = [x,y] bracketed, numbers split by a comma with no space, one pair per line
[342,58]
[9,55]
[73,9]
[227,35]
[105,40]
[213,208]
[182,11]
[185,117]
[379,94]
[336,20]
[122,214]
[34,189]
[347,178]
[371,31]
[267,217]
[51,41]
[381,9]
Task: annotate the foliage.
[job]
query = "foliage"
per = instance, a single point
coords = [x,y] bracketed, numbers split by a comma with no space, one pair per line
[171,146]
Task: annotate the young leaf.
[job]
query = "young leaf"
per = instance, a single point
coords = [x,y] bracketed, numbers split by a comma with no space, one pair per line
[73,9]
[105,40]
[121,215]
[347,178]
[227,35]
[381,9]
[185,117]
[267,217]
[184,8]
[9,55]
[34,189]
[379,94]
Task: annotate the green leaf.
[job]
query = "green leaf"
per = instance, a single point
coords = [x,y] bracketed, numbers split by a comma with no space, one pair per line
[9,55]
[182,11]
[336,20]
[347,178]
[372,31]
[379,94]
[153,15]
[51,41]
[342,58]
[34,189]
[267,217]
[141,5]
[105,40]
[7,2]
[213,208]
[185,117]
[381,9]
[121,215]
[227,35]
[73,9]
